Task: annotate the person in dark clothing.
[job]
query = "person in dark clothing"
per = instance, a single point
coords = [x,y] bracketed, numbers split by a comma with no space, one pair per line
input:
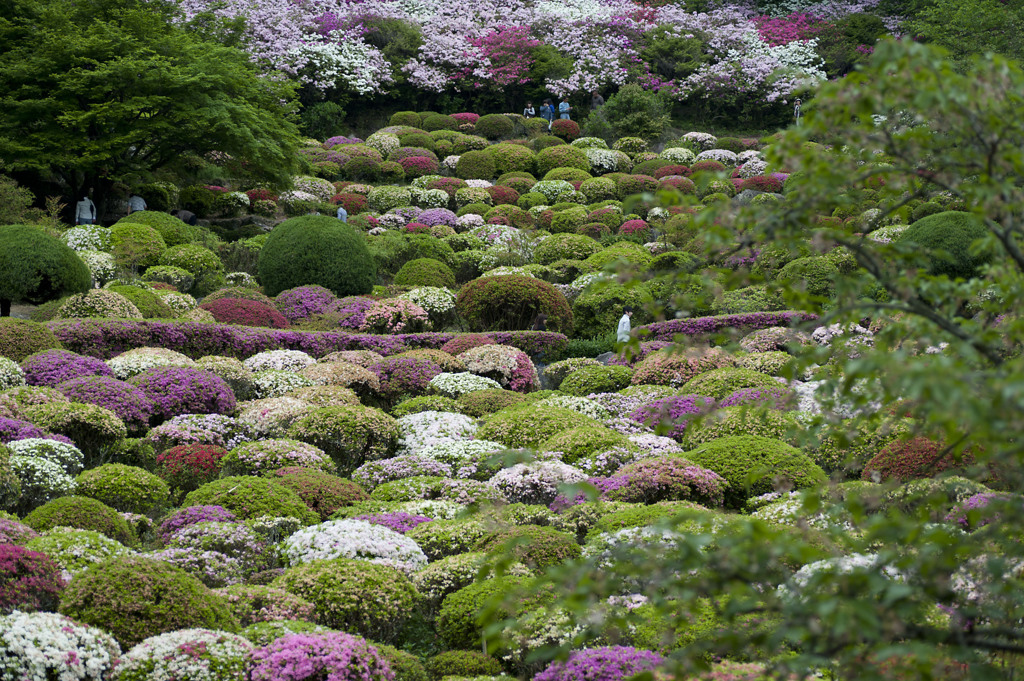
[529,111]
[596,100]
[186,216]
[540,323]
[547,112]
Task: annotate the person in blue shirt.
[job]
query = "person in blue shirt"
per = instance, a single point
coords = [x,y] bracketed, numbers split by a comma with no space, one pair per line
[547,112]
[563,109]
[342,214]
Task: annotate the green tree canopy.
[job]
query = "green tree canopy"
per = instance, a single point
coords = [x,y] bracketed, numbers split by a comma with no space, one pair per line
[93,92]
[36,267]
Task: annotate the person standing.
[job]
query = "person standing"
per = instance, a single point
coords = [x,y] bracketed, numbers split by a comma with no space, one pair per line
[85,211]
[622,334]
[136,203]
[186,216]
[596,100]
[342,214]
[547,112]
[797,113]
[563,109]
[529,111]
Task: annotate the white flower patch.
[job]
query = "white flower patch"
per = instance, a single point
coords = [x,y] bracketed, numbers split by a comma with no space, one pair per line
[193,654]
[11,375]
[41,480]
[277,383]
[67,456]
[279,360]
[843,565]
[580,405]
[453,385]
[535,482]
[429,428]
[134,362]
[44,646]
[437,509]
[356,540]
[678,155]
[87,238]
[435,300]
[723,156]
[753,167]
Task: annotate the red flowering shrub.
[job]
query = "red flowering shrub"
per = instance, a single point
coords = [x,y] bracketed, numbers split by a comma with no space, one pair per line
[665,171]
[448,185]
[633,227]
[188,467]
[503,195]
[416,228]
[512,302]
[404,377]
[917,457]
[683,185]
[418,166]
[29,581]
[245,313]
[261,195]
[352,203]
[635,184]
[762,183]
[499,220]
[707,166]
[322,492]
[466,117]
[465,342]
[566,129]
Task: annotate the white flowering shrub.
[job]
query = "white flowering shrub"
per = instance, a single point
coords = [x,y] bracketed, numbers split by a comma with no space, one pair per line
[439,303]
[429,198]
[75,550]
[241,280]
[41,480]
[193,654]
[271,417]
[678,155]
[469,459]
[277,383]
[319,188]
[455,385]
[386,197]
[428,428]
[449,162]
[279,360]
[383,142]
[723,156]
[479,184]
[589,143]
[67,456]
[213,568]
[101,265]
[45,646]
[179,302]
[87,238]
[603,161]
[752,167]
[11,375]
[701,140]
[134,362]
[580,405]
[354,539]
[552,189]
[536,482]
[842,565]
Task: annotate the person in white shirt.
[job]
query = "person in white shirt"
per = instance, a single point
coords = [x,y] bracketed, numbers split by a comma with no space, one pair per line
[624,325]
[342,214]
[136,203]
[85,211]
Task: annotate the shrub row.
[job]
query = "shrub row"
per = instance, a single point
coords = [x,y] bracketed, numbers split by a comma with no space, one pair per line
[697,326]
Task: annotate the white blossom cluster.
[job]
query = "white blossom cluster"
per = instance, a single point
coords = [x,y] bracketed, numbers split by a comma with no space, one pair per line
[41,480]
[454,385]
[356,540]
[276,383]
[11,375]
[723,156]
[134,362]
[842,565]
[678,155]
[45,646]
[87,238]
[194,654]
[535,482]
[67,456]
[279,360]
[428,428]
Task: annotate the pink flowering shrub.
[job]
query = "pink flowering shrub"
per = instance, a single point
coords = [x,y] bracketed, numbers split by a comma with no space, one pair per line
[509,366]
[507,57]
[395,316]
[669,478]
[332,656]
[792,27]
[466,117]
[418,166]
[29,580]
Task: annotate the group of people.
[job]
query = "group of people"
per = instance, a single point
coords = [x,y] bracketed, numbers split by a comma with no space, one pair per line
[547,109]
[85,210]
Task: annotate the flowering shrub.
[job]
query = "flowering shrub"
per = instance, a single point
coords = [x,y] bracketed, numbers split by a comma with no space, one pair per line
[231,539]
[332,656]
[188,467]
[244,313]
[279,360]
[212,568]
[349,435]
[134,362]
[402,377]
[606,664]
[211,429]
[14,532]
[535,483]
[126,488]
[251,497]
[322,492]
[29,581]
[191,515]
[68,457]
[198,654]
[354,539]
[254,603]
[429,428]
[511,367]
[676,368]
[668,478]
[259,458]
[52,367]
[43,645]
[395,316]
[93,429]
[41,480]
[76,550]
[303,302]
[917,457]
[176,391]
[469,459]
[98,303]
[399,521]
[126,401]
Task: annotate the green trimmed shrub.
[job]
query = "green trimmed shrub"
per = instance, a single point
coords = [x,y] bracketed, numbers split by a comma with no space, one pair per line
[20,338]
[416,405]
[579,442]
[251,497]
[193,258]
[596,379]
[359,597]
[439,122]
[816,275]
[567,174]
[475,165]
[425,272]
[480,403]
[133,598]
[148,303]
[81,513]
[444,538]
[627,251]
[850,445]
[126,488]
[405,666]
[462,663]
[720,383]
[316,249]
[597,311]
[561,156]
[529,426]
[568,220]
[536,547]
[599,189]
[322,492]
[173,231]
[924,210]
[135,245]
[546,141]
[756,465]
[741,420]
[36,267]
[458,622]
[494,126]
[512,302]
[512,158]
[93,429]
[351,436]
[945,239]
[406,118]
[10,484]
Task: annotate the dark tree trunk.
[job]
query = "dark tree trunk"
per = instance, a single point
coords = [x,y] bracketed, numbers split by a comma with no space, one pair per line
[5,307]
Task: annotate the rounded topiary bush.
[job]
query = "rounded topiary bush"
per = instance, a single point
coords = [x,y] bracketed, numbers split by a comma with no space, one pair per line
[816,275]
[534,546]
[94,430]
[318,654]
[322,492]
[365,598]
[349,435]
[755,465]
[512,302]
[129,403]
[676,368]
[316,249]
[98,303]
[458,621]
[148,303]
[945,239]
[611,663]
[36,267]
[494,126]
[252,497]
[576,443]
[720,383]
[596,379]
[82,513]
[135,245]
[475,165]
[913,458]
[667,478]
[183,390]
[597,310]
[128,489]
[565,247]
[562,156]
[425,272]
[45,645]
[468,663]
[205,654]
[529,426]
[20,338]
[244,313]
[134,598]
[29,580]
[482,402]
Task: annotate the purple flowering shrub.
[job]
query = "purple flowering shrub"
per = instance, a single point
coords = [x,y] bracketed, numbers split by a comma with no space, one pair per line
[15,429]
[193,429]
[978,510]
[351,311]
[673,413]
[700,326]
[181,390]
[668,478]
[613,663]
[129,403]
[300,303]
[29,581]
[13,532]
[53,367]
[373,474]
[191,515]
[397,521]
[332,656]
[676,368]
[402,377]
[781,398]
[646,348]
[437,216]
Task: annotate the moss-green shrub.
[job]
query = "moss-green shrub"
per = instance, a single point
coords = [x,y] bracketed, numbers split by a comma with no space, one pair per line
[405,118]
[480,403]
[404,665]
[374,601]
[251,497]
[565,247]
[10,484]
[773,362]
[195,259]
[475,165]
[444,538]
[351,435]
[133,598]
[625,516]
[581,441]
[720,383]
[567,174]
[20,338]
[173,231]
[81,513]
[93,429]
[568,220]
[425,272]
[754,465]
[415,405]
[458,622]
[924,210]
[741,420]
[597,310]
[512,302]
[848,446]
[945,241]
[512,158]
[529,426]
[149,304]
[561,156]
[98,303]
[627,251]
[596,379]
[316,249]
[462,663]
[494,126]
[322,492]
[816,275]
[126,488]
[135,245]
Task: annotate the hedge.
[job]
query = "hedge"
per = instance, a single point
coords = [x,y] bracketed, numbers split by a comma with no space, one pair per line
[106,338]
[696,326]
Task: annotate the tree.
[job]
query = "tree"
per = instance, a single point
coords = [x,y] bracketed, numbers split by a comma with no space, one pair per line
[36,267]
[132,91]
[971,28]
[899,596]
